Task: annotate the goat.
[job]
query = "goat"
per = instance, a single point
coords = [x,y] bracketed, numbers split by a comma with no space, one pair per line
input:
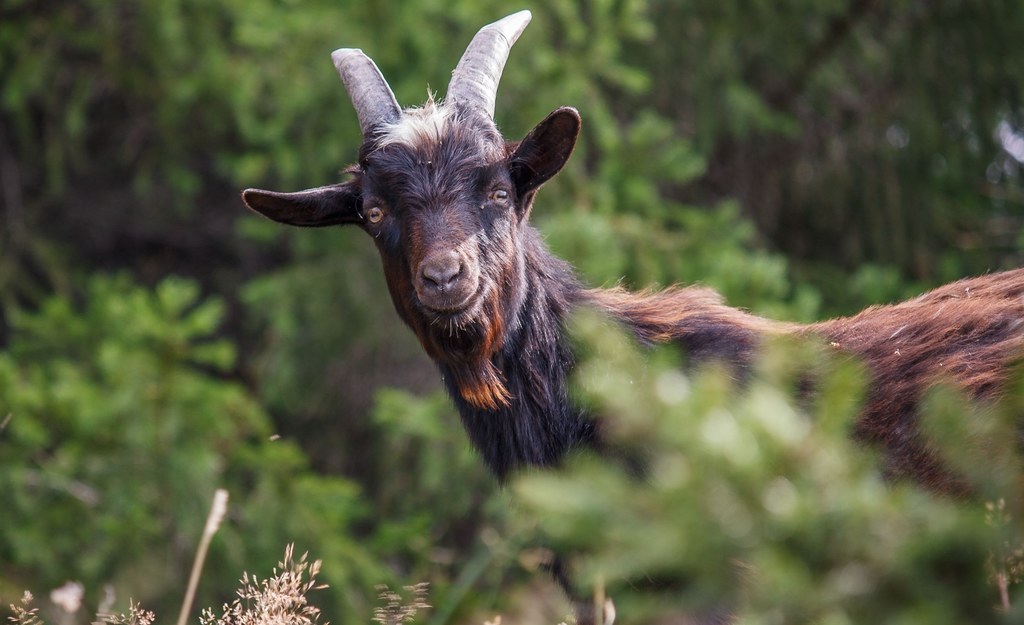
[447,201]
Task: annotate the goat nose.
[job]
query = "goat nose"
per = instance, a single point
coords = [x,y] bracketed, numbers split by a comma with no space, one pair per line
[442,269]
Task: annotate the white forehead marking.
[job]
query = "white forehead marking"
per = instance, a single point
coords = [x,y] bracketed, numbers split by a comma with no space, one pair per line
[420,125]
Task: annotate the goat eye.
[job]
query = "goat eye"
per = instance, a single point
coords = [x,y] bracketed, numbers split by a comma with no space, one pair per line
[499,195]
[374,214]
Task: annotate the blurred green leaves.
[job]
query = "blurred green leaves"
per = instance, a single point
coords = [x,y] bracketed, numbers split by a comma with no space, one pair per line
[754,500]
[121,427]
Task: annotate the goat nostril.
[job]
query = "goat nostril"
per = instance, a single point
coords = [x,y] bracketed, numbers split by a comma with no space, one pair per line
[442,272]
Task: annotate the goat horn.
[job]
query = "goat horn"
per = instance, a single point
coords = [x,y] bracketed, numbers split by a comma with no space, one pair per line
[474,82]
[371,96]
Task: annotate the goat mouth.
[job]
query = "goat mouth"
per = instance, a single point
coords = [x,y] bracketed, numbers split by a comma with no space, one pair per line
[448,305]
[454,311]
[454,314]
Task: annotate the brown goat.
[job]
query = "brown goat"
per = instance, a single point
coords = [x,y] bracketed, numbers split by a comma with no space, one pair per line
[447,202]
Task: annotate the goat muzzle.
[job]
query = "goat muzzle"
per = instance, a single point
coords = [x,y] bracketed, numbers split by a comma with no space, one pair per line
[445,282]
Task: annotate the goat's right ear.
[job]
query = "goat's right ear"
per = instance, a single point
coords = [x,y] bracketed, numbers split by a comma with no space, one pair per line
[322,206]
[545,150]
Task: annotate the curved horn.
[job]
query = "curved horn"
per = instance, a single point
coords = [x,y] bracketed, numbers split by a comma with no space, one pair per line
[371,96]
[475,80]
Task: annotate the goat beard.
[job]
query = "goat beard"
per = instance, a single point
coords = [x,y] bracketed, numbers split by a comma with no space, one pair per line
[481,385]
[468,353]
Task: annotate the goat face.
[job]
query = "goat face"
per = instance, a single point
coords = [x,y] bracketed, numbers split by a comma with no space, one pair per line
[445,199]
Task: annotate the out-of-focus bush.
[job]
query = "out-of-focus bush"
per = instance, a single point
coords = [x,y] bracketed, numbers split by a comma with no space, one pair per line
[121,425]
[755,500]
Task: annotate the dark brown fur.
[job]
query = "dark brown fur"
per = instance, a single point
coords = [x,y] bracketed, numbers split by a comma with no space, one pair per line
[967,333]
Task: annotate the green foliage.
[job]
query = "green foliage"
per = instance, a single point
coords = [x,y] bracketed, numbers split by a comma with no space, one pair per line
[160,61]
[332,339]
[434,499]
[852,132]
[121,427]
[691,246]
[759,503]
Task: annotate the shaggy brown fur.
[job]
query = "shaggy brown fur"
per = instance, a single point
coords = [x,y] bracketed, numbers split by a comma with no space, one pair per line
[968,334]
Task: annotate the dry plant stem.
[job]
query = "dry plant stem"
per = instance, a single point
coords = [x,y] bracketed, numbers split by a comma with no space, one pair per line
[604,608]
[217,511]
[1004,591]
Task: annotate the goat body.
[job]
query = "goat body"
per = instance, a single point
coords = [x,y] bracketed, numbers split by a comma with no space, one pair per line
[447,201]
[968,333]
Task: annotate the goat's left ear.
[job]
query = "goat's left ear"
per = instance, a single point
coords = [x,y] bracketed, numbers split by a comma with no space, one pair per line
[545,150]
[322,206]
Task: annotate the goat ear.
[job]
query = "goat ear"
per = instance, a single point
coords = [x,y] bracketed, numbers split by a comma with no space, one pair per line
[545,150]
[322,206]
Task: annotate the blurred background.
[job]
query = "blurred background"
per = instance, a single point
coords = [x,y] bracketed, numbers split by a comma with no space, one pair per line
[804,157]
